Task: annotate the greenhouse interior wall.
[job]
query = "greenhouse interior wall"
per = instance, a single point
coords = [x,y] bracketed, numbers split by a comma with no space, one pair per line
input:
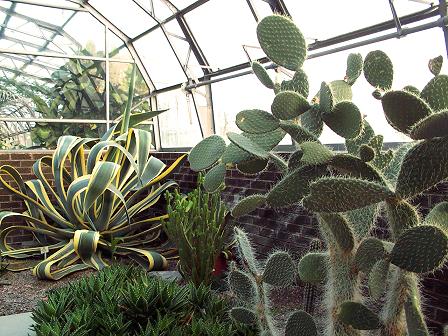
[203,85]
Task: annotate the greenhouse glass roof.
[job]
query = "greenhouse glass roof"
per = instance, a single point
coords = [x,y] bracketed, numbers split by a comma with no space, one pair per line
[192,56]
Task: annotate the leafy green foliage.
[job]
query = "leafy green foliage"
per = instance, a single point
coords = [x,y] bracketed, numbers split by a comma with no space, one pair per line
[196,225]
[126,301]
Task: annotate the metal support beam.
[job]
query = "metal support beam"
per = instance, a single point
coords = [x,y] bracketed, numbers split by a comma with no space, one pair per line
[6,20]
[278,6]
[184,11]
[197,51]
[377,28]
[48,4]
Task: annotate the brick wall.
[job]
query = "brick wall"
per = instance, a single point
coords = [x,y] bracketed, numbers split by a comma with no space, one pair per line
[291,228]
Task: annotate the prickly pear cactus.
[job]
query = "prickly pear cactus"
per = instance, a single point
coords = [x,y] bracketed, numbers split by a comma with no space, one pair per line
[252,286]
[345,190]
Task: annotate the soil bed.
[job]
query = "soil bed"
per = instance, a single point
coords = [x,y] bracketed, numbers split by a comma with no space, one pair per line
[24,290]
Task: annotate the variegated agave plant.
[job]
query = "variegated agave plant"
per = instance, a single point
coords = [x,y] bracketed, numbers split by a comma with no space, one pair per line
[95,203]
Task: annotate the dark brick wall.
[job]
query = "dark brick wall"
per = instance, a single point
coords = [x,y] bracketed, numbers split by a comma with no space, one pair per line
[291,228]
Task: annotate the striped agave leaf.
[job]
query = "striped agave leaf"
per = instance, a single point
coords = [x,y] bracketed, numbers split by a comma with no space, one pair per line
[92,201]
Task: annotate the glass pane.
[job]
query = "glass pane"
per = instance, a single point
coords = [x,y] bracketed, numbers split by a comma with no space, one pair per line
[262,8]
[55,30]
[235,95]
[117,48]
[221,30]
[15,135]
[179,125]
[182,48]
[162,9]
[412,70]
[120,77]
[336,17]
[71,89]
[86,35]
[125,14]
[53,16]
[159,59]
[405,7]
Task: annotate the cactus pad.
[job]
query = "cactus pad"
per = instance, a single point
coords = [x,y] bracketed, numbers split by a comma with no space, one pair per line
[340,229]
[435,93]
[242,285]
[245,250]
[215,178]
[347,164]
[434,125]
[234,154]
[300,323]
[340,194]
[368,253]
[294,186]
[248,204]
[363,138]
[298,83]
[326,101]
[289,105]
[256,121]
[412,89]
[252,167]
[358,316]
[278,161]
[341,91]
[312,121]
[279,270]
[354,67]
[243,315]
[282,41]
[378,70]
[378,278]
[403,109]
[298,133]
[262,75]
[438,216]
[420,249]
[247,145]
[366,153]
[345,120]
[206,153]
[402,216]
[313,267]
[294,161]
[315,153]
[268,140]
[435,65]
[424,165]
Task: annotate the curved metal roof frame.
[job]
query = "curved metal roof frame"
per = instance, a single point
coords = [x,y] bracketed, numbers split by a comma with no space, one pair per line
[331,45]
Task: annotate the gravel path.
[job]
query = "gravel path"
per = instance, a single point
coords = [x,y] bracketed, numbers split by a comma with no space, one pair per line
[23,290]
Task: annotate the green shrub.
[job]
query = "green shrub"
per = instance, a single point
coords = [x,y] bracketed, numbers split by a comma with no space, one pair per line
[196,225]
[123,300]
